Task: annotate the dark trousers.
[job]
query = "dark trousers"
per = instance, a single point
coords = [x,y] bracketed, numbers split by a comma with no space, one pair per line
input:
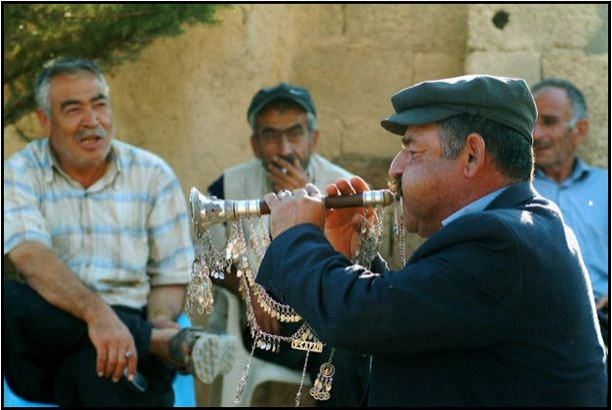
[48,356]
[352,369]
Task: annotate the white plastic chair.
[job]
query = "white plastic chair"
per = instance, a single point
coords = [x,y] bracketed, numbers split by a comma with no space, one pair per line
[226,319]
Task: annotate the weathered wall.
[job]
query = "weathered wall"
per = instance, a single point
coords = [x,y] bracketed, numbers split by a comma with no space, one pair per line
[185,98]
[548,40]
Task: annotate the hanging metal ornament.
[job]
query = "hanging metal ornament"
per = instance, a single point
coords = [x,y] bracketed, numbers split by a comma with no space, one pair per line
[247,241]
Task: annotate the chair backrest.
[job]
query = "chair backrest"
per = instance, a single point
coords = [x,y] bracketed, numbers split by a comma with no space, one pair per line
[226,319]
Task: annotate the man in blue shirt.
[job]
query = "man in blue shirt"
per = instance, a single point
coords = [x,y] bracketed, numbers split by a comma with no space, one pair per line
[580,190]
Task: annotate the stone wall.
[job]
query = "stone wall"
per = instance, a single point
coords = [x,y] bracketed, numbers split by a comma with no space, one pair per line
[548,40]
[185,98]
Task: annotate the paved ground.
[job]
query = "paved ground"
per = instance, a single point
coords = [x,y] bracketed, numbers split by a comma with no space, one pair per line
[268,394]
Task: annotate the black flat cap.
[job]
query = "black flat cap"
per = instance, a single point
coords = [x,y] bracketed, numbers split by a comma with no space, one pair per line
[507,101]
[283,90]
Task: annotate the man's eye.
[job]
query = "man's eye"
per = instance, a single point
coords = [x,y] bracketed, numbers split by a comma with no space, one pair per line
[270,135]
[295,133]
[549,121]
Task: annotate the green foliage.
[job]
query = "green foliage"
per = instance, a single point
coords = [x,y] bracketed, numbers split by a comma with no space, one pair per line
[107,33]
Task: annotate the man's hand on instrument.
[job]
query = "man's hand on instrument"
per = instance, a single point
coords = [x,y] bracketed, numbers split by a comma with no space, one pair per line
[287,174]
[342,226]
[288,209]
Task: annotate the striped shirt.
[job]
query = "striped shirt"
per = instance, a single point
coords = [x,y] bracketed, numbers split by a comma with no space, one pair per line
[125,233]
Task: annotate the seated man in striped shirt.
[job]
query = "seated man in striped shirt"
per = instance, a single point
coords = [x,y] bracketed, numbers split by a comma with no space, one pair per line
[98,231]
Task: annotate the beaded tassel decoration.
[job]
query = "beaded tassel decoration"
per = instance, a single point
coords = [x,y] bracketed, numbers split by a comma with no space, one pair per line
[370,235]
[399,229]
[323,382]
[245,247]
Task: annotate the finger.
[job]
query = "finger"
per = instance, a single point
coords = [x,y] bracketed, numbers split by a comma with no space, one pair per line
[312,190]
[111,362]
[297,164]
[101,361]
[281,180]
[291,166]
[356,221]
[132,363]
[272,200]
[278,171]
[359,184]
[345,187]
[121,363]
[332,190]
[300,193]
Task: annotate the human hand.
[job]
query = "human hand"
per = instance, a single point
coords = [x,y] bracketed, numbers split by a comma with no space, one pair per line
[265,322]
[114,344]
[602,304]
[304,205]
[342,226]
[287,173]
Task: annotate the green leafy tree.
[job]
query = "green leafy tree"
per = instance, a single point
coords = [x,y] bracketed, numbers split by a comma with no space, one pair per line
[35,33]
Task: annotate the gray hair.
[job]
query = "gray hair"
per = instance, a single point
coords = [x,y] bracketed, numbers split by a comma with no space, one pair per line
[577,101]
[510,151]
[282,104]
[64,66]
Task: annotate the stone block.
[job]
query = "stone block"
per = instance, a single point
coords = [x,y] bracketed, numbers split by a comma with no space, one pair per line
[403,27]
[433,65]
[532,26]
[590,73]
[520,64]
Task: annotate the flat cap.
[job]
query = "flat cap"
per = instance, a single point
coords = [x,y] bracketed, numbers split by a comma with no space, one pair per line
[291,92]
[507,101]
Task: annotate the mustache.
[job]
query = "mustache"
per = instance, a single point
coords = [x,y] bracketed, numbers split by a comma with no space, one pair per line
[538,144]
[290,158]
[395,185]
[98,132]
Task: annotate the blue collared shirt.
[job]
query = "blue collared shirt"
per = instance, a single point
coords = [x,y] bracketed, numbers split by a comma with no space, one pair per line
[583,200]
[478,205]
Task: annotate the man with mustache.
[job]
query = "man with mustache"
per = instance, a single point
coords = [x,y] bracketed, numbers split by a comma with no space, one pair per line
[580,190]
[284,137]
[494,308]
[98,233]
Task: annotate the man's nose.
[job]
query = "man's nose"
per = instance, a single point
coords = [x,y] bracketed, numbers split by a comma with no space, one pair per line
[285,147]
[538,132]
[90,118]
[397,166]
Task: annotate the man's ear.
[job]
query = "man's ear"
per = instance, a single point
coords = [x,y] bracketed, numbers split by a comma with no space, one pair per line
[44,122]
[255,147]
[581,130]
[315,138]
[475,152]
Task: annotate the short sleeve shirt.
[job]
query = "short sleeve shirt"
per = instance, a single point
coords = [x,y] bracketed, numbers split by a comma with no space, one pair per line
[123,234]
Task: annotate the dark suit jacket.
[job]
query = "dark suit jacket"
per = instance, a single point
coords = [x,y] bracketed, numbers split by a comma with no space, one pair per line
[493,309]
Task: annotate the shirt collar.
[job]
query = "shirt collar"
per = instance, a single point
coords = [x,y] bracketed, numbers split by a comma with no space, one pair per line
[579,171]
[476,206]
[51,163]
